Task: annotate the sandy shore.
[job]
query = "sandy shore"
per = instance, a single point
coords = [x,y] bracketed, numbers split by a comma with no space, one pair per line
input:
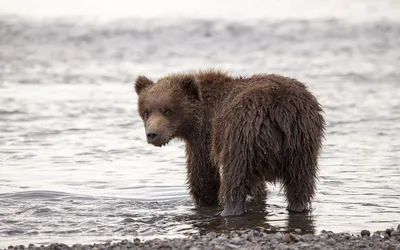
[388,239]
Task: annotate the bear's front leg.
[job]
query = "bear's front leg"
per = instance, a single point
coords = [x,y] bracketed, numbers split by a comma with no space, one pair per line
[202,177]
[203,189]
[204,198]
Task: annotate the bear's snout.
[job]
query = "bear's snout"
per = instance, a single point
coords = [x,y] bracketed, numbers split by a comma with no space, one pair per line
[156,138]
[158,130]
[151,136]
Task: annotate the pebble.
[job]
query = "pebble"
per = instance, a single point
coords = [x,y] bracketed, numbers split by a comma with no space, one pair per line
[236,240]
[365,233]
[136,241]
[278,235]
[395,233]
[218,240]
[305,245]
[288,237]
[256,233]
[212,235]
[360,246]
[331,242]
[245,236]
[193,237]
[236,246]
[219,247]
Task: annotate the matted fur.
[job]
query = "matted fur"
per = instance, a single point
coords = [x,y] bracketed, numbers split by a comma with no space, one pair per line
[263,128]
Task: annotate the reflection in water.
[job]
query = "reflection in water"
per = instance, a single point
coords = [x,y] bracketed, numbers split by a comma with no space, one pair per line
[304,222]
[206,220]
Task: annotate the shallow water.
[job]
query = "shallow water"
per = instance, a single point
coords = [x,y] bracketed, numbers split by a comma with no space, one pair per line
[74,164]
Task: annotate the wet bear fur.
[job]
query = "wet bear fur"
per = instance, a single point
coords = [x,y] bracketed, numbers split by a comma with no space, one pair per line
[239,132]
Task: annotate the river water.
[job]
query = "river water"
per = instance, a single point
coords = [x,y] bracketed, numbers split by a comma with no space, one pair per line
[74,163]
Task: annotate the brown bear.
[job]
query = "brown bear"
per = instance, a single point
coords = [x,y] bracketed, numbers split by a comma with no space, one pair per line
[240,132]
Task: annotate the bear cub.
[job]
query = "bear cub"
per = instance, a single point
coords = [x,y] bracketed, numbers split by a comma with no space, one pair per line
[239,132]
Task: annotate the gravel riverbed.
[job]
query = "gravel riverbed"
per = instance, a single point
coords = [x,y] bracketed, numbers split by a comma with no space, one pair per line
[388,239]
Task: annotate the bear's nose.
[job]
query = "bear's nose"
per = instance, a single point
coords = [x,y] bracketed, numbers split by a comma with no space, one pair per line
[151,136]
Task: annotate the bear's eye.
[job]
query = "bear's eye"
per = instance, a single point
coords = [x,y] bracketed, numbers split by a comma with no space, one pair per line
[146,114]
[167,112]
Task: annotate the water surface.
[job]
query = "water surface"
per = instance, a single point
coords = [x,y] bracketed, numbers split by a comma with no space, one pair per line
[74,164]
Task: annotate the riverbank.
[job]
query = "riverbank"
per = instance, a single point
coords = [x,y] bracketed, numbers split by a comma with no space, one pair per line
[251,239]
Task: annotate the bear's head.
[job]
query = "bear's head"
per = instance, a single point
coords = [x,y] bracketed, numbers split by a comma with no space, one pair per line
[169,108]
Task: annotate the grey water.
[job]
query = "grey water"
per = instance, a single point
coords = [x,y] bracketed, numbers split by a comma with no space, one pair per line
[74,163]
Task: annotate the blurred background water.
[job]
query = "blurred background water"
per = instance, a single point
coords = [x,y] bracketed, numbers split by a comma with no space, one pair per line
[74,163]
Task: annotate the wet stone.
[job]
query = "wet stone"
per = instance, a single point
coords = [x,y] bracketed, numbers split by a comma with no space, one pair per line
[245,236]
[218,240]
[136,241]
[277,236]
[165,245]
[256,233]
[395,233]
[212,235]
[236,240]
[316,247]
[365,233]
[331,242]
[305,245]
[360,246]
[219,247]
[194,237]
[288,237]
[232,246]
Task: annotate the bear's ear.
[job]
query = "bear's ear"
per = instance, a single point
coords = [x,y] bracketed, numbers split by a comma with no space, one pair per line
[141,83]
[190,87]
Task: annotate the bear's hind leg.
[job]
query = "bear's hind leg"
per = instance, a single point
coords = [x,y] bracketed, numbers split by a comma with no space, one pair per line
[239,174]
[233,190]
[239,144]
[299,181]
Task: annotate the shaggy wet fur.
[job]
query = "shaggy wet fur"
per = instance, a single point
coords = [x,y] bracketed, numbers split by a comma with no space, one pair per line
[258,129]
